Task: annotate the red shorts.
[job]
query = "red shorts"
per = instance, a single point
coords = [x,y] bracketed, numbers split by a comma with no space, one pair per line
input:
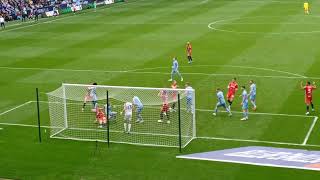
[230,95]
[308,100]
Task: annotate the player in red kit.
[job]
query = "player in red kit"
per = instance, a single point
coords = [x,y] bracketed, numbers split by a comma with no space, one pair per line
[308,94]
[101,117]
[164,112]
[189,52]
[232,89]
[174,95]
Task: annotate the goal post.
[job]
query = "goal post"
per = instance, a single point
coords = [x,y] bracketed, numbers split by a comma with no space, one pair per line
[154,122]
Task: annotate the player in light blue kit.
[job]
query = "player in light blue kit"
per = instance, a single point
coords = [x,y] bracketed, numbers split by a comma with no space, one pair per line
[244,103]
[139,106]
[221,103]
[175,69]
[189,96]
[252,94]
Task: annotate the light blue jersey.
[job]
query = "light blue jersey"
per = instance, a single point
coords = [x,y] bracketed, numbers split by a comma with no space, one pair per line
[93,93]
[137,102]
[221,103]
[189,95]
[220,97]
[253,92]
[175,65]
[245,102]
[175,69]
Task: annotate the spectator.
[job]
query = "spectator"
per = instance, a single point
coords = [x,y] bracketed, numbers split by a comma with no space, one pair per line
[2,22]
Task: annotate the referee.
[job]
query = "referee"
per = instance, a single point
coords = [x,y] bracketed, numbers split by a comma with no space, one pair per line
[2,22]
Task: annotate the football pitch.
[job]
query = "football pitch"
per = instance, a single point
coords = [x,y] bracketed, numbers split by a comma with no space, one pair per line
[132,44]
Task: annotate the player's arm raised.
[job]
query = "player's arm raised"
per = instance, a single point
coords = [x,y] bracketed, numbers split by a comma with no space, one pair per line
[301,85]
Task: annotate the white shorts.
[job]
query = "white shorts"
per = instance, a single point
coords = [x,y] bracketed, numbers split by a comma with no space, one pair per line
[128,116]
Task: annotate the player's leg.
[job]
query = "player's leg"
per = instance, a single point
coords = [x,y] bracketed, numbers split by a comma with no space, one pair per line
[161,117]
[311,103]
[173,106]
[227,109]
[190,59]
[94,105]
[245,111]
[104,121]
[125,122]
[181,78]
[308,112]
[230,103]
[253,102]
[139,116]
[172,74]
[129,123]
[189,104]
[215,111]
[84,102]
[168,117]
[308,102]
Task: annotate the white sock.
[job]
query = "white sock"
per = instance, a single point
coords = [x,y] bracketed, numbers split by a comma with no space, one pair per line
[125,126]
[129,127]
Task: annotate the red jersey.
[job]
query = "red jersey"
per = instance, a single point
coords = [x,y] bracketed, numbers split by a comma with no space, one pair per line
[165,108]
[164,96]
[232,88]
[308,91]
[100,115]
[174,93]
[189,49]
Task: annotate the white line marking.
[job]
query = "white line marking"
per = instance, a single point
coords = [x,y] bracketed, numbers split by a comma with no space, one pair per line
[35,23]
[204,1]
[5,112]
[256,141]
[249,163]
[232,66]
[211,110]
[56,18]
[28,125]
[1,128]
[134,72]
[211,26]
[261,113]
[208,138]
[310,131]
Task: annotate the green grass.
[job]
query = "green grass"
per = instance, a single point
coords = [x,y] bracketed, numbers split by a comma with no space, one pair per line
[267,41]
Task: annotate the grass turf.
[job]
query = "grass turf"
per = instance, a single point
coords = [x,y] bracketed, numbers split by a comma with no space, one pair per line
[268,41]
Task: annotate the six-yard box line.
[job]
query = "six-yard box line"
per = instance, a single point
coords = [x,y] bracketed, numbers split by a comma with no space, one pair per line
[304,143]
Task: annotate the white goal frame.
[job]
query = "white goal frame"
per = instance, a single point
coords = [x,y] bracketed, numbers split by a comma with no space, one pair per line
[63,123]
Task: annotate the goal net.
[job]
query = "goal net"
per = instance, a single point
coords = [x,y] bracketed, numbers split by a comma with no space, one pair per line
[160,119]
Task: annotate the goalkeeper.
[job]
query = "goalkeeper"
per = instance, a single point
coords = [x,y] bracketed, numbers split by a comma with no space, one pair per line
[101,117]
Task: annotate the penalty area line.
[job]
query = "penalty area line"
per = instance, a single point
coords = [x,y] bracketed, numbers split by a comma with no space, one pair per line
[21,105]
[29,125]
[310,130]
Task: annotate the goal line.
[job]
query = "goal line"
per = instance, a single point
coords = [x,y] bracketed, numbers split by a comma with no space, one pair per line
[304,143]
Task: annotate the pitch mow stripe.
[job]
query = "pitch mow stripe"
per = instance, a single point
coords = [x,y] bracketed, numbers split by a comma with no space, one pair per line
[153,72]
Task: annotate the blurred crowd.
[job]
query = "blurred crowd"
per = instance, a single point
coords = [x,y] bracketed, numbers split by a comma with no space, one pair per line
[21,9]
